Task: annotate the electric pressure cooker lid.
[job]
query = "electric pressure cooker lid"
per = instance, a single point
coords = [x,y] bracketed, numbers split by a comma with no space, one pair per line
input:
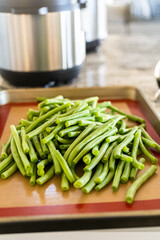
[37,6]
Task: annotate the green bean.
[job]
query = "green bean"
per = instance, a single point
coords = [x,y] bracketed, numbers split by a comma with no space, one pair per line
[52,149]
[32,153]
[139,182]
[103,173]
[96,133]
[5,147]
[87,158]
[129,116]
[5,162]
[25,146]
[63,140]
[53,133]
[136,141]
[109,151]
[82,106]
[64,166]
[134,170]
[123,127]
[40,172]
[45,116]
[23,157]
[41,128]
[7,167]
[74,134]
[75,121]
[125,149]
[112,162]
[78,140]
[74,173]
[64,146]
[93,143]
[38,148]
[33,176]
[95,150]
[73,116]
[91,184]
[96,159]
[50,129]
[9,171]
[50,158]
[126,158]
[83,123]
[104,104]
[83,180]
[64,183]
[105,181]
[146,135]
[126,172]
[128,139]
[117,176]
[48,175]
[43,145]
[112,138]
[17,158]
[91,99]
[25,122]
[149,142]
[147,153]
[65,131]
[55,143]
[58,101]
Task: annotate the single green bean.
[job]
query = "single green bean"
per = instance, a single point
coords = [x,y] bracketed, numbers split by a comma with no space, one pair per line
[9,171]
[126,172]
[96,159]
[104,104]
[83,180]
[126,158]
[91,184]
[65,131]
[153,159]
[23,157]
[64,183]
[64,146]
[63,140]
[38,148]
[33,176]
[87,158]
[125,149]
[117,177]
[103,173]
[106,181]
[149,142]
[25,122]
[64,166]
[139,182]
[74,134]
[17,158]
[53,133]
[146,135]
[50,129]
[24,141]
[109,151]
[5,147]
[32,153]
[48,175]
[95,150]
[112,138]
[134,170]
[112,162]
[43,145]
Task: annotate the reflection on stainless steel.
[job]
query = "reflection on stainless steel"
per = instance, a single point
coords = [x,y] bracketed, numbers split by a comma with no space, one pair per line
[96,22]
[41,42]
[157,76]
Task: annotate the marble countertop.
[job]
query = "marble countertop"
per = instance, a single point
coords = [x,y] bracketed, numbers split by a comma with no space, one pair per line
[123,59]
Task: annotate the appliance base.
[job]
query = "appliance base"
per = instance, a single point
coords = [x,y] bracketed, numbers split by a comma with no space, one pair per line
[34,79]
[93,46]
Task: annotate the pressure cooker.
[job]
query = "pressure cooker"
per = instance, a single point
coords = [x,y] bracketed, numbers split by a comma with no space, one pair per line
[40,41]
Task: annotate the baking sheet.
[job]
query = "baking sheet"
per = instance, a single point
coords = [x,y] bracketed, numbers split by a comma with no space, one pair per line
[21,203]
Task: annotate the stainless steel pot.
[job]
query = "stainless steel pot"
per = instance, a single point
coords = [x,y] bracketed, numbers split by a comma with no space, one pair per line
[96,23]
[40,41]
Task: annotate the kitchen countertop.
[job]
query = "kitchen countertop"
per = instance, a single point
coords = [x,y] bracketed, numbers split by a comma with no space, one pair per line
[123,59]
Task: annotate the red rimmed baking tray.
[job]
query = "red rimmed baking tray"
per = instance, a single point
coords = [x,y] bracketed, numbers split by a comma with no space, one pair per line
[24,208]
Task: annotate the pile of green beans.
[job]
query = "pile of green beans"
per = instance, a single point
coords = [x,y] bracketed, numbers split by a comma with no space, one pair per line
[65,135]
